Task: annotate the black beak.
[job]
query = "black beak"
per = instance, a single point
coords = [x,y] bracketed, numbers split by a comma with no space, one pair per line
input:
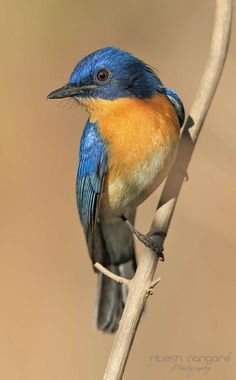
[67,91]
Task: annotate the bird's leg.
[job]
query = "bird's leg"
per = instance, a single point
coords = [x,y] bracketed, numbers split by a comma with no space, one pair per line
[147,239]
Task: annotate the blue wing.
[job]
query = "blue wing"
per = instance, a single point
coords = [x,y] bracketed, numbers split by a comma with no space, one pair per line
[177,103]
[90,176]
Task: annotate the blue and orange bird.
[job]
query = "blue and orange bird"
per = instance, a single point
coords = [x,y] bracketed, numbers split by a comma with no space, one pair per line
[127,149]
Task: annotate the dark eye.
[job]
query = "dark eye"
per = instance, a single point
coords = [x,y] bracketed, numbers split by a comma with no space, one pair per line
[103,75]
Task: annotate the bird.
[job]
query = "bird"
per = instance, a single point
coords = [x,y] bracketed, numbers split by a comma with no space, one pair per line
[127,149]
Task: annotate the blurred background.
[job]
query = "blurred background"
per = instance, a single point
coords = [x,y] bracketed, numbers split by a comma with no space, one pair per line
[47,285]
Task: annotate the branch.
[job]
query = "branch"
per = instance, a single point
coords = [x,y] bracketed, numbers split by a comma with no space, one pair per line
[113,276]
[122,280]
[139,286]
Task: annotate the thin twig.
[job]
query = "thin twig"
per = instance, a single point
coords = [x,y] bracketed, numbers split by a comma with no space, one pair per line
[113,276]
[141,282]
[152,286]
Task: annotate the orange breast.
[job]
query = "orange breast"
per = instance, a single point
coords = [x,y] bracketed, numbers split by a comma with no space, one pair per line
[134,130]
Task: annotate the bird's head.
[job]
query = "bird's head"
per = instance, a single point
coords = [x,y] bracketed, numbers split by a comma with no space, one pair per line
[110,73]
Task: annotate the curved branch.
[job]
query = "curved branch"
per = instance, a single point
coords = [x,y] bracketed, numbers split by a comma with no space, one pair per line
[140,284]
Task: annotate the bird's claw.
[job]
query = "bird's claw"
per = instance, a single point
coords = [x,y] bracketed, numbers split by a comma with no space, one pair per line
[162,234]
[147,240]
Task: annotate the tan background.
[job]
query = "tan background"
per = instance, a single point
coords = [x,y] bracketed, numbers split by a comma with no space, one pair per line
[47,285]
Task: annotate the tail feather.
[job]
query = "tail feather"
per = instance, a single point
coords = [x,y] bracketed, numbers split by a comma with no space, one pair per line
[118,256]
[111,297]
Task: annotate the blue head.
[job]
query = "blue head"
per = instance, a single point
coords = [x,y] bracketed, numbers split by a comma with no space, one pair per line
[110,73]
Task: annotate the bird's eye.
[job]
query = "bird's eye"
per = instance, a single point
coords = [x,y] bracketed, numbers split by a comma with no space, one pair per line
[103,75]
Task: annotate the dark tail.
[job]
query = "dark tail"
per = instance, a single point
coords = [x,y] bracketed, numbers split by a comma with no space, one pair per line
[119,257]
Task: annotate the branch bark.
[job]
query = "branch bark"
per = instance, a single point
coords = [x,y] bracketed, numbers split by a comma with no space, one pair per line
[141,284]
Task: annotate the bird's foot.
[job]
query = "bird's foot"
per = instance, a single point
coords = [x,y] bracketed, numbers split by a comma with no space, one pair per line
[147,239]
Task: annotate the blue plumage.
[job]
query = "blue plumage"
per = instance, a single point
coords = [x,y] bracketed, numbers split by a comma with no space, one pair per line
[91,170]
[130,78]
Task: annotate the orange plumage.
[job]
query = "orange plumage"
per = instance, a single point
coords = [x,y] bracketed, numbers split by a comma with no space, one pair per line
[141,136]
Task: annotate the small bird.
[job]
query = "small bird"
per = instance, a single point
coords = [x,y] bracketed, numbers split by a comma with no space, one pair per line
[128,146]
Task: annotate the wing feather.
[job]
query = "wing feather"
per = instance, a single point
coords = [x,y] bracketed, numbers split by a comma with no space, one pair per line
[91,171]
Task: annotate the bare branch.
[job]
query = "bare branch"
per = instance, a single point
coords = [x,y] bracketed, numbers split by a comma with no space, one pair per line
[139,286]
[112,275]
